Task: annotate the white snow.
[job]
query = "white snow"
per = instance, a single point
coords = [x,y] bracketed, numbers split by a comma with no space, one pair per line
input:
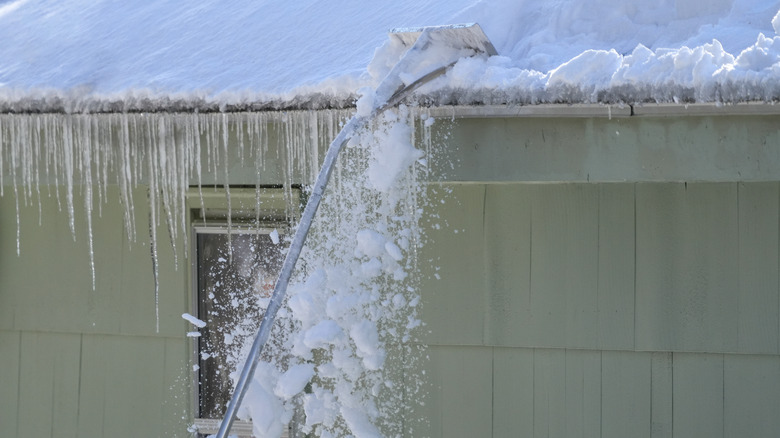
[293,381]
[344,339]
[193,320]
[274,235]
[100,55]
[356,300]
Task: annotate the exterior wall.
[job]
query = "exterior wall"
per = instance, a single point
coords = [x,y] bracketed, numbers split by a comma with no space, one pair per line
[609,277]
[81,362]
[635,308]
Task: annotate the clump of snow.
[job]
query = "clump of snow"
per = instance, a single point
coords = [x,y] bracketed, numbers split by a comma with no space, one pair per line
[294,380]
[350,318]
[274,235]
[193,320]
[393,152]
[266,410]
[366,103]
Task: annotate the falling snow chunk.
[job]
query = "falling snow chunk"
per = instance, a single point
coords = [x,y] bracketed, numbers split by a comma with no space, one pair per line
[322,334]
[370,243]
[294,380]
[193,334]
[274,235]
[193,320]
[394,251]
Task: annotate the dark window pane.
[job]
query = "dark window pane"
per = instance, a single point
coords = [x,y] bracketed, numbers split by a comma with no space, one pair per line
[229,286]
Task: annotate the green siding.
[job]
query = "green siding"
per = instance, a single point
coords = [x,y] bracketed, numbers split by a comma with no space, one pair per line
[698,395]
[623,302]
[626,394]
[10,343]
[513,392]
[49,286]
[661,408]
[721,148]
[751,391]
[460,399]
[617,266]
[456,298]
[612,310]
[80,362]
[49,384]
[757,304]
[126,379]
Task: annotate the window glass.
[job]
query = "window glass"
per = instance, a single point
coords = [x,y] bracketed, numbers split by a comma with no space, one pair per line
[234,272]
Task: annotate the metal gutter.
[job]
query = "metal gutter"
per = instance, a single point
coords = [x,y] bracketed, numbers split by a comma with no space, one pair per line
[603,110]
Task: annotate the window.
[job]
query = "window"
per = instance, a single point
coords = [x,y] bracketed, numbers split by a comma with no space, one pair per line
[233,266]
[233,271]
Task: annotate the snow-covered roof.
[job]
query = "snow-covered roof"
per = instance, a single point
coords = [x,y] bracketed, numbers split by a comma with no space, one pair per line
[77,55]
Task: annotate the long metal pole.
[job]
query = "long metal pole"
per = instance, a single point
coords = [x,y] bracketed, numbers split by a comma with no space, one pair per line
[388,93]
[280,290]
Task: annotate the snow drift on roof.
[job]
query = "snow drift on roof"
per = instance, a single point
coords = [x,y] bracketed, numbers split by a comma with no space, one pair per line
[104,55]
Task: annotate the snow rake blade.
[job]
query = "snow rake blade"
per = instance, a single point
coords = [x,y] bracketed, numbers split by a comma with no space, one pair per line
[432,50]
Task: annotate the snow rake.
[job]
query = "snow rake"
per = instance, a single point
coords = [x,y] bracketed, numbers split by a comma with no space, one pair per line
[431,52]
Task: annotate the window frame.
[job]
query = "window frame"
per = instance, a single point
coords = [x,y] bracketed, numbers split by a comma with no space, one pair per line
[280,207]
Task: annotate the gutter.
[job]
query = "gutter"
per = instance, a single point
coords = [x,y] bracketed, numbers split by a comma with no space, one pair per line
[604,110]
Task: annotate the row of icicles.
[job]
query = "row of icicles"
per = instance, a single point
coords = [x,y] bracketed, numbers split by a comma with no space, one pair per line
[167,152]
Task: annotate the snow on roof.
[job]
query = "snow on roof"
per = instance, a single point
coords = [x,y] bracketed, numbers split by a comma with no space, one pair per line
[79,55]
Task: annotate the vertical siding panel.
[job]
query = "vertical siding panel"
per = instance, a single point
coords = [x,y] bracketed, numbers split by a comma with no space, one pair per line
[513,392]
[455,318]
[616,269]
[698,395]
[583,393]
[757,310]
[687,278]
[121,388]
[662,420]
[549,393]
[94,378]
[177,391]
[751,395]
[626,394]
[49,393]
[430,410]
[9,384]
[564,265]
[463,392]
[508,252]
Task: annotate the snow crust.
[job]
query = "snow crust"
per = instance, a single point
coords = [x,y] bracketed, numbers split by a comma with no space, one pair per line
[80,55]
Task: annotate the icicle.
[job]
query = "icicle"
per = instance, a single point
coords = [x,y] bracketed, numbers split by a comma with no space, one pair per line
[153,218]
[37,159]
[184,177]
[167,177]
[2,141]
[255,132]
[67,161]
[125,176]
[196,152]
[14,163]
[54,154]
[227,186]
[20,137]
[84,143]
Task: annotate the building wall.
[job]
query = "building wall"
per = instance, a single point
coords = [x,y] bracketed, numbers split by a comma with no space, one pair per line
[646,307]
[80,362]
[598,277]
